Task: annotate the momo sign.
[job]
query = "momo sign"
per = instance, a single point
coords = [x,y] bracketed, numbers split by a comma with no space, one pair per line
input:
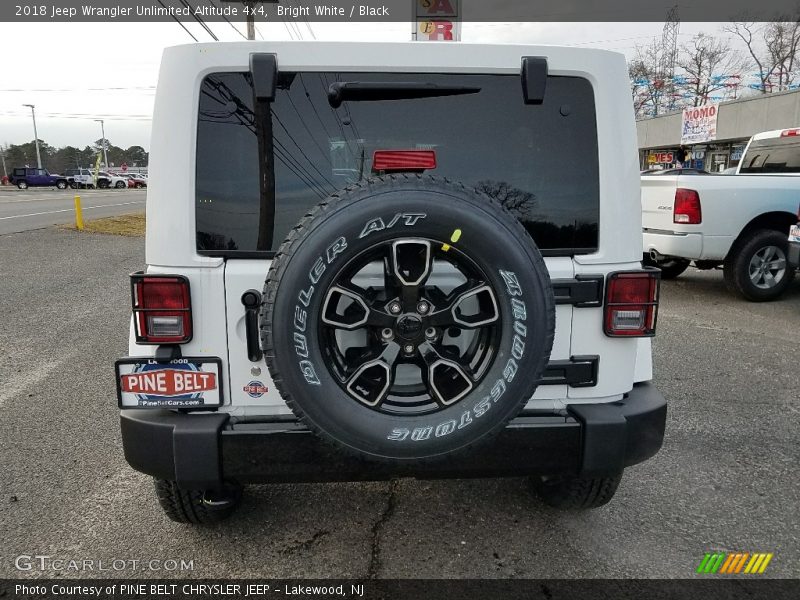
[699,124]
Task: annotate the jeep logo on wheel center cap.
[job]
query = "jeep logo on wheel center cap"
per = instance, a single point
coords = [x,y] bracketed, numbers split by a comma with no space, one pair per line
[409,327]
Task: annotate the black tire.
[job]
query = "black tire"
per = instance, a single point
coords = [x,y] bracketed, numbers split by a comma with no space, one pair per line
[61,185]
[103,185]
[73,185]
[119,185]
[351,223]
[743,274]
[567,492]
[139,186]
[23,185]
[673,268]
[196,506]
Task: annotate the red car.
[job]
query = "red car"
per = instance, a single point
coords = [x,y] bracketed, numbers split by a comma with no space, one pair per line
[135,181]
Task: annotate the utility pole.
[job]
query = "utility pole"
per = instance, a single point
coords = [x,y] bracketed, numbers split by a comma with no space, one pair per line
[251,20]
[3,158]
[103,130]
[35,135]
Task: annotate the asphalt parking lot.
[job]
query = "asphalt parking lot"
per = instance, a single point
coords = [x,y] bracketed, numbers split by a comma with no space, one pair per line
[726,479]
[35,208]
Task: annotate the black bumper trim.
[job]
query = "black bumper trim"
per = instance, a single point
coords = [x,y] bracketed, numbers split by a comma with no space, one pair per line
[200,451]
[794,254]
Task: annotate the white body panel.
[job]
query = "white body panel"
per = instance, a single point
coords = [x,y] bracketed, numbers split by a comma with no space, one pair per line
[217,284]
[728,204]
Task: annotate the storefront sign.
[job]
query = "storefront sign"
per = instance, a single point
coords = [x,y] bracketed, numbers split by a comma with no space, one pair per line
[437,21]
[699,124]
[661,158]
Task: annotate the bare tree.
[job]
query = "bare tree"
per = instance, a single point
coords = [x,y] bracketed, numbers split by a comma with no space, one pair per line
[773,49]
[647,86]
[707,62]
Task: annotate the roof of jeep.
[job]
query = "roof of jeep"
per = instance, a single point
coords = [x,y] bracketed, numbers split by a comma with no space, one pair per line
[392,56]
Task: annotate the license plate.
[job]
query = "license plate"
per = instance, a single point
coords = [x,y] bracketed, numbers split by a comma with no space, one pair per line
[179,383]
[794,233]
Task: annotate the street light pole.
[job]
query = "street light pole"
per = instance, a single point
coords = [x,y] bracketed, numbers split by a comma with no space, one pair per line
[103,130]
[35,135]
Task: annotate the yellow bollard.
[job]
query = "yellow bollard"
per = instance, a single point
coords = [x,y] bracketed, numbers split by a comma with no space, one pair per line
[78,213]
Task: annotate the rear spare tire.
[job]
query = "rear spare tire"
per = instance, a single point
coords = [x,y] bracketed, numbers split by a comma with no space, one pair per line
[407,318]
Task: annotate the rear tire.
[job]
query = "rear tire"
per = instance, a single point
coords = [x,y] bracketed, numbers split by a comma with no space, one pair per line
[61,185]
[119,185]
[756,268]
[23,185]
[566,492]
[196,507]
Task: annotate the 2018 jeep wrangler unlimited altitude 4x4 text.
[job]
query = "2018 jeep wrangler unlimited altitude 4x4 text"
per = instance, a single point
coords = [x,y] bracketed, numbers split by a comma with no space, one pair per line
[368,261]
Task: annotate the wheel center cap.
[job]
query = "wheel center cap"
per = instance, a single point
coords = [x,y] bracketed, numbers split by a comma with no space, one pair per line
[409,327]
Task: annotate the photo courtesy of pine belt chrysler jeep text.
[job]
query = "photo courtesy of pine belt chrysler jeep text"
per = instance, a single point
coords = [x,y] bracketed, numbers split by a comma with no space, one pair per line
[369,261]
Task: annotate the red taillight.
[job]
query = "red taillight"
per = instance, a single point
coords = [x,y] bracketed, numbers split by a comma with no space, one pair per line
[403,160]
[790,132]
[632,303]
[162,309]
[686,209]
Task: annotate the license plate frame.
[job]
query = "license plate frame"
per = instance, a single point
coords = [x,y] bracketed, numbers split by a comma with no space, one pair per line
[182,371]
[794,233]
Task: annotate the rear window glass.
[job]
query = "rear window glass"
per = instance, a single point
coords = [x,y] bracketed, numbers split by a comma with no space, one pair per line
[774,155]
[539,161]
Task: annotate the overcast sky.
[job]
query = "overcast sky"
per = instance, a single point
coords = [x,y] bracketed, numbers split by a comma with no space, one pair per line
[68,71]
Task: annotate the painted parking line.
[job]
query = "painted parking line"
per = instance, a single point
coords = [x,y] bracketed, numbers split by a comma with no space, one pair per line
[52,212]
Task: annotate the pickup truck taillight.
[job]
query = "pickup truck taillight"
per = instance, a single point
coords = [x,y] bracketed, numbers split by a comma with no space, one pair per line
[686,208]
[632,303]
[162,309]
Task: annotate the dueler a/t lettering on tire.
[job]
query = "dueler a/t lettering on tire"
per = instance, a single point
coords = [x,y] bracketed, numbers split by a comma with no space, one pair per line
[407,318]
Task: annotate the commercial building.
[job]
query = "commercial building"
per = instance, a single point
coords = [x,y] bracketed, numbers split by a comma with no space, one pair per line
[660,137]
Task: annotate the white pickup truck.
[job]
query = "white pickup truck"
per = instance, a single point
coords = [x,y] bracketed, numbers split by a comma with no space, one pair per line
[738,222]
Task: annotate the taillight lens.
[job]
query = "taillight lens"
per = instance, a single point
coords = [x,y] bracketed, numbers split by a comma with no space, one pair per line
[686,208]
[162,309]
[403,160]
[632,303]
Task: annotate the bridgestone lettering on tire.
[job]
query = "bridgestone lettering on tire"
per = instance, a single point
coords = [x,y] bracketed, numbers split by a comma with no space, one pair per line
[407,318]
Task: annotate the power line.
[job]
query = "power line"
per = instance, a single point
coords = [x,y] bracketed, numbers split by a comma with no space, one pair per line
[199,20]
[177,20]
[211,2]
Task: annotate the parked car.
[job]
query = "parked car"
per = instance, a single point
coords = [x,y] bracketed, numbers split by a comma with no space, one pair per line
[135,180]
[25,177]
[738,222]
[675,171]
[493,320]
[80,177]
[109,180]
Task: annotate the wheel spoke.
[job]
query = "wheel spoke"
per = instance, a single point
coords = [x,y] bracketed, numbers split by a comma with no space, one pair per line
[447,380]
[469,306]
[371,382]
[777,264]
[346,306]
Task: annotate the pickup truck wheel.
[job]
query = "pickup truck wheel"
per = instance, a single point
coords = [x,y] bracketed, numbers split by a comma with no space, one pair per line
[756,268]
[61,185]
[23,185]
[196,507]
[573,493]
[407,319]
[671,268]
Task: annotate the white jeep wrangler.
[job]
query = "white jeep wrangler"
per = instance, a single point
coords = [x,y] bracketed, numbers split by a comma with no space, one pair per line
[368,261]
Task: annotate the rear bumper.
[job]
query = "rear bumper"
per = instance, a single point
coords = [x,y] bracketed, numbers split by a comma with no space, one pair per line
[201,451]
[669,243]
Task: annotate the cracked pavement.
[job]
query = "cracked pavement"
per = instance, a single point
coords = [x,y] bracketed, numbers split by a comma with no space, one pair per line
[727,477]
